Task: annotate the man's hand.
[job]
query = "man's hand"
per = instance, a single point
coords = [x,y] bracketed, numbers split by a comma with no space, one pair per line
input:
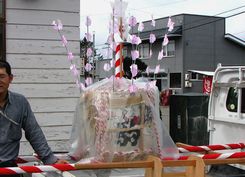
[61,161]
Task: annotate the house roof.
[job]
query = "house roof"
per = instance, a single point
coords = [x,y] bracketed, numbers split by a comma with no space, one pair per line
[207,73]
[235,39]
[159,33]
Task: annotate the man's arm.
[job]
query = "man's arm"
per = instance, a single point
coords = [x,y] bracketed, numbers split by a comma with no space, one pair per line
[35,136]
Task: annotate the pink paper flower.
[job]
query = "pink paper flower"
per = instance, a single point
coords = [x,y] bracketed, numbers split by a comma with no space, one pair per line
[57,26]
[152,38]
[157,69]
[170,24]
[132,88]
[165,40]
[160,55]
[147,70]
[135,54]
[135,39]
[80,85]
[88,81]
[70,56]
[110,39]
[107,67]
[88,21]
[153,22]
[112,63]
[141,27]
[150,53]
[134,69]
[113,46]
[74,70]
[88,67]
[64,41]
[89,52]
[132,21]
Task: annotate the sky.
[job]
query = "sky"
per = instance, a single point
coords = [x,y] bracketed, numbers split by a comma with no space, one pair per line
[99,11]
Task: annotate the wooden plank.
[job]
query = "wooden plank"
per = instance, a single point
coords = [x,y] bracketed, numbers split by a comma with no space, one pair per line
[198,170]
[54,133]
[41,47]
[55,119]
[15,16]
[46,90]
[33,76]
[58,146]
[224,161]
[59,5]
[53,105]
[14,31]
[175,163]
[40,61]
[118,165]
[177,174]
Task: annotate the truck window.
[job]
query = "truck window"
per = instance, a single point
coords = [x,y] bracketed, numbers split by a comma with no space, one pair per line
[231,101]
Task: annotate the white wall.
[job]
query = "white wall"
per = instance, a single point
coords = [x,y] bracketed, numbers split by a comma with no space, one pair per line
[40,66]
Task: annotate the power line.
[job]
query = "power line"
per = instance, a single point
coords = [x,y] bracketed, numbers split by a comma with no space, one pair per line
[221,18]
[159,5]
[216,14]
[138,9]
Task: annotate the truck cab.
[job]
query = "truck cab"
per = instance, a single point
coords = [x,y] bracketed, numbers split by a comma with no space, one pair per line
[226,112]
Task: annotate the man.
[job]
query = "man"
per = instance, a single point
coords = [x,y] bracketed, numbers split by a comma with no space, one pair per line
[15,115]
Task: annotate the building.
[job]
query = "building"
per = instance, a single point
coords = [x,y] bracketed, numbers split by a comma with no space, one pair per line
[197,43]
[40,66]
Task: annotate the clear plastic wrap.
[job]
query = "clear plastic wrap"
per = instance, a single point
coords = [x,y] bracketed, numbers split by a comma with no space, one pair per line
[112,124]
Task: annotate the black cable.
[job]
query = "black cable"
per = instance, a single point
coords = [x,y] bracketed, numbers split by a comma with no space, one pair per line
[219,18]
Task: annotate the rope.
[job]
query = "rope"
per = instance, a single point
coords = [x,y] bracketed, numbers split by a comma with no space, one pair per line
[70,167]
[35,158]
[37,169]
[189,148]
[212,156]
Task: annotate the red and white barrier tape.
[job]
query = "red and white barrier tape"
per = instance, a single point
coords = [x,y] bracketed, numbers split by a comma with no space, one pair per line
[35,158]
[70,167]
[37,169]
[213,156]
[211,147]
[25,159]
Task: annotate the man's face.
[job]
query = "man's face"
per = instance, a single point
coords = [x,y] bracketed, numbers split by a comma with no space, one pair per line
[5,80]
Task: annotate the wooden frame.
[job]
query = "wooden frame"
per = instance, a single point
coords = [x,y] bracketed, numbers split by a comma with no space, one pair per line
[152,166]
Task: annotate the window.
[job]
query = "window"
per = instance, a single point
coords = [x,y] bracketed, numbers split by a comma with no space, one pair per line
[2,29]
[232,100]
[169,50]
[175,80]
[144,50]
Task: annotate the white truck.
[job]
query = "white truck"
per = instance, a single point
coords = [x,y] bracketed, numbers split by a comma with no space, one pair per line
[226,112]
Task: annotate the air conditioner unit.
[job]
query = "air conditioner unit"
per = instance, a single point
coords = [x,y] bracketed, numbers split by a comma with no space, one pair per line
[188,84]
[187,76]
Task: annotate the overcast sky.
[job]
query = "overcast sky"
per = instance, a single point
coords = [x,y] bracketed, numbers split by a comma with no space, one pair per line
[100,10]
